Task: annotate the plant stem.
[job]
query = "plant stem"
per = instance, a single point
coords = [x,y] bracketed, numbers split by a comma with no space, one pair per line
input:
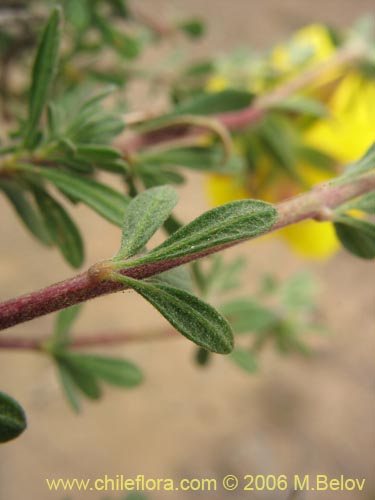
[37,343]
[237,120]
[314,204]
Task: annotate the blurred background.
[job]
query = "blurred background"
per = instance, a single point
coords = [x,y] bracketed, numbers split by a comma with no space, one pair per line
[295,416]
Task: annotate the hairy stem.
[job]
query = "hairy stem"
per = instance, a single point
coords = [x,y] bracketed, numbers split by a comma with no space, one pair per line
[93,283]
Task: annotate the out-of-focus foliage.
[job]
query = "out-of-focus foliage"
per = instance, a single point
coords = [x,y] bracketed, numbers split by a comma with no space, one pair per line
[307,137]
[280,314]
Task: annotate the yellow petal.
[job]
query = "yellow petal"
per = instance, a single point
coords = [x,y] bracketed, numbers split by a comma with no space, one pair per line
[350,130]
[312,239]
[217,83]
[224,188]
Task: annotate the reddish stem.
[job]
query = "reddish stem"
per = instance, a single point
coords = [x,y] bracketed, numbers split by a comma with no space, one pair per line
[88,285]
[37,343]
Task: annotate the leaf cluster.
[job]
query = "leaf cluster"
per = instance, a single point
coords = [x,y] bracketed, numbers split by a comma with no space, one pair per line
[281,314]
[82,374]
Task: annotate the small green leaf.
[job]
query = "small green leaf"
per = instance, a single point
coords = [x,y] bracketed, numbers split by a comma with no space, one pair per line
[245,315]
[178,277]
[195,158]
[77,13]
[365,164]
[299,292]
[62,230]
[193,27]
[195,319]
[102,199]
[78,116]
[115,371]
[317,158]
[303,105]
[127,46]
[84,379]
[269,284]
[277,137]
[245,360]
[143,217]
[64,322]
[12,418]
[68,386]
[43,74]
[220,102]
[238,220]
[205,104]
[158,176]
[365,203]
[97,153]
[25,210]
[357,236]
[202,356]
[223,277]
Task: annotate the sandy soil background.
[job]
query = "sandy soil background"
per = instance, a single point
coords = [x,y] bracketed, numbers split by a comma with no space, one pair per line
[296,416]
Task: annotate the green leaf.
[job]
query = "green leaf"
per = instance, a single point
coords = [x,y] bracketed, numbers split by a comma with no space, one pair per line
[220,102]
[235,221]
[303,105]
[299,291]
[97,153]
[277,137]
[193,27]
[357,236]
[62,230]
[205,104]
[101,156]
[317,158]
[102,199]
[144,215]
[286,338]
[12,418]
[43,74]
[245,360]
[223,277]
[158,176]
[64,323]
[68,386]
[77,13]
[25,210]
[197,158]
[78,116]
[245,315]
[202,356]
[83,378]
[365,164]
[178,277]
[195,319]
[124,44]
[92,102]
[365,203]
[115,371]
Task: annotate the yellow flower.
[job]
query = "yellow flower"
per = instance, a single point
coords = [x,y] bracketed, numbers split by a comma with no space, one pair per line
[311,44]
[309,238]
[224,188]
[217,83]
[350,129]
[345,134]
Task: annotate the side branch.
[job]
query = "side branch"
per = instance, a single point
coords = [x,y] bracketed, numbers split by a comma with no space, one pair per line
[38,344]
[238,120]
[311,205]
